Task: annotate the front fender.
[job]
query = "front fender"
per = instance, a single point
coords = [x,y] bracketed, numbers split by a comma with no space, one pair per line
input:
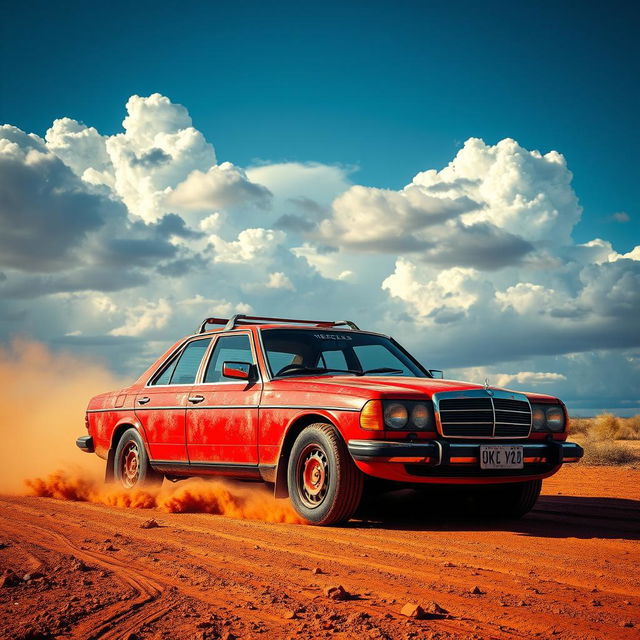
[344,422]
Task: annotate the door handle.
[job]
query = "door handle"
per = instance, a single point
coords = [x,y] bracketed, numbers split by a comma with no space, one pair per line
[143,400]
[195,399]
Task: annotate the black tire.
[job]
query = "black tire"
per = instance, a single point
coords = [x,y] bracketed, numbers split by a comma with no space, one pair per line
[372,491]
[325,486]
[525,498]
[511,500]
[131,467]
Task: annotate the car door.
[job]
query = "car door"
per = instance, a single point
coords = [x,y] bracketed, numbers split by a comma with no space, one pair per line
[161,405]
[222,428]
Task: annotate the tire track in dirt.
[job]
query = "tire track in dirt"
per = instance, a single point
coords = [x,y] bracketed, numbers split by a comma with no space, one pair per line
[35,562]
[301,551]
[389,571]
[464,604]
[142,608]
[468,558]
[301,594]
[147,583]
[118,618]
[538,576]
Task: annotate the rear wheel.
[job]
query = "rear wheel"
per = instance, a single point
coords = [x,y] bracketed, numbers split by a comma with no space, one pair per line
[132,469]
[325,486]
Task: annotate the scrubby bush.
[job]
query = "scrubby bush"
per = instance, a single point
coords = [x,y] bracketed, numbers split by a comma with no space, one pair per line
[611,453]
[606,426]
[579,425]
[629,428]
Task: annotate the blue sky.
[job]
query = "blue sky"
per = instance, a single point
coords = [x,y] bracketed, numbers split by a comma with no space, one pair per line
[462,175]
[391,87]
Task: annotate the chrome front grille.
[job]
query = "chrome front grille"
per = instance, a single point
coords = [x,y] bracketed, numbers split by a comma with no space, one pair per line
[483,413]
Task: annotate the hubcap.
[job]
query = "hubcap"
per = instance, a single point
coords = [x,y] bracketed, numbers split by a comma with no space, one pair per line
[130,465]
[313,476]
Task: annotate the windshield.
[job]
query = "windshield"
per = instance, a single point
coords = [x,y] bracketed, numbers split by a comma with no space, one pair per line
[317,352]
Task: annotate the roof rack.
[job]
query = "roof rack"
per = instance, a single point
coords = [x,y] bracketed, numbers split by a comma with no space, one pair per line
[241,319]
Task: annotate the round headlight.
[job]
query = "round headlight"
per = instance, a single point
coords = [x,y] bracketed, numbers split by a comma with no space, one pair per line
[555,418]
[420,416]
[396,415]
[539,418]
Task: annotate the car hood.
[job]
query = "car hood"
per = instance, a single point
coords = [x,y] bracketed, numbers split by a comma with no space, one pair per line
[392,386]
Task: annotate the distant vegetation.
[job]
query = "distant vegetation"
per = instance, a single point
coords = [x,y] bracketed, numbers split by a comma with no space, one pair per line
[608,452]
[606,426]
[601,438]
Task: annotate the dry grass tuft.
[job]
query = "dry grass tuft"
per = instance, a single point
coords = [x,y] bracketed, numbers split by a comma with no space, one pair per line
[579,425]
[629,428]
[608,453]
[606,426]
[600,435]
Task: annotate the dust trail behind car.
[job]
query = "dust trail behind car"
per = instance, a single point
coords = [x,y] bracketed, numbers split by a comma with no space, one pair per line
[190,496]
[42,401]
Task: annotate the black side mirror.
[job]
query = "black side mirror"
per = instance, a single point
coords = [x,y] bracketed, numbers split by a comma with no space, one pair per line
[436,373]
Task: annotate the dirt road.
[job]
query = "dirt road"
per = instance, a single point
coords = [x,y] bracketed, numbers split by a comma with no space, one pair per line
[568,570]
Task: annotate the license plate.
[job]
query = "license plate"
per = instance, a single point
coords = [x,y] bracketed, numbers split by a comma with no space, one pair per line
[501,456]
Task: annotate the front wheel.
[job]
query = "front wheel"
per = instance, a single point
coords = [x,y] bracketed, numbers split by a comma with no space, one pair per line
[511,500]
[132,469]
[325,486]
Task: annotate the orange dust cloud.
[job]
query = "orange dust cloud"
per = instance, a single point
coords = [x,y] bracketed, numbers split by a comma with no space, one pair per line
[189,496]
[43,396]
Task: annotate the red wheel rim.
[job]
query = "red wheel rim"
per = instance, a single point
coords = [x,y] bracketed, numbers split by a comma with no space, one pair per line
[130,464]
[313,476]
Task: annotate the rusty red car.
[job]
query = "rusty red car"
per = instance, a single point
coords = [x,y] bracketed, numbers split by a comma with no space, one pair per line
[318,409]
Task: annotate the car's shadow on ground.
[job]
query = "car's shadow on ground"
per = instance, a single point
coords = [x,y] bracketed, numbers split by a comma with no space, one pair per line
[552,517]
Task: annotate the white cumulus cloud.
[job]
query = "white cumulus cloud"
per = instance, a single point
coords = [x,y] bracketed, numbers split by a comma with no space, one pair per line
[144,317]
[438,295]
[121,243]
[251,245]
[81,148]
[523,192]
[528,378]
[279,280]
[222,186]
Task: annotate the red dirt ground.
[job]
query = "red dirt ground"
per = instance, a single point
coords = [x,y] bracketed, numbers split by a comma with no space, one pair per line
[568,570]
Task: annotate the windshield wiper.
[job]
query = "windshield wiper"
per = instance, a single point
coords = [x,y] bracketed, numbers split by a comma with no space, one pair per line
[382,370]
[302,369]
[298,369]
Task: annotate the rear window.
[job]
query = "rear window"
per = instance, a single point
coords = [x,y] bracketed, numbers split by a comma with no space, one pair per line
[184,367]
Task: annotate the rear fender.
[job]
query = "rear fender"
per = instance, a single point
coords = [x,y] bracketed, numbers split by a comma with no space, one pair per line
[123,425]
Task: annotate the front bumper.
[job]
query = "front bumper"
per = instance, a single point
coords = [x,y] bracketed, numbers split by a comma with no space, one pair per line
[442,453]
[85,443]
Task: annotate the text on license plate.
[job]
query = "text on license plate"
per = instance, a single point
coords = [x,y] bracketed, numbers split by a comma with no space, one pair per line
[501,456]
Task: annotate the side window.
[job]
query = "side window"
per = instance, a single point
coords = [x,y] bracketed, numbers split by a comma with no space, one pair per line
[375,356]
[165,376]
[228,349]
[183,368]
